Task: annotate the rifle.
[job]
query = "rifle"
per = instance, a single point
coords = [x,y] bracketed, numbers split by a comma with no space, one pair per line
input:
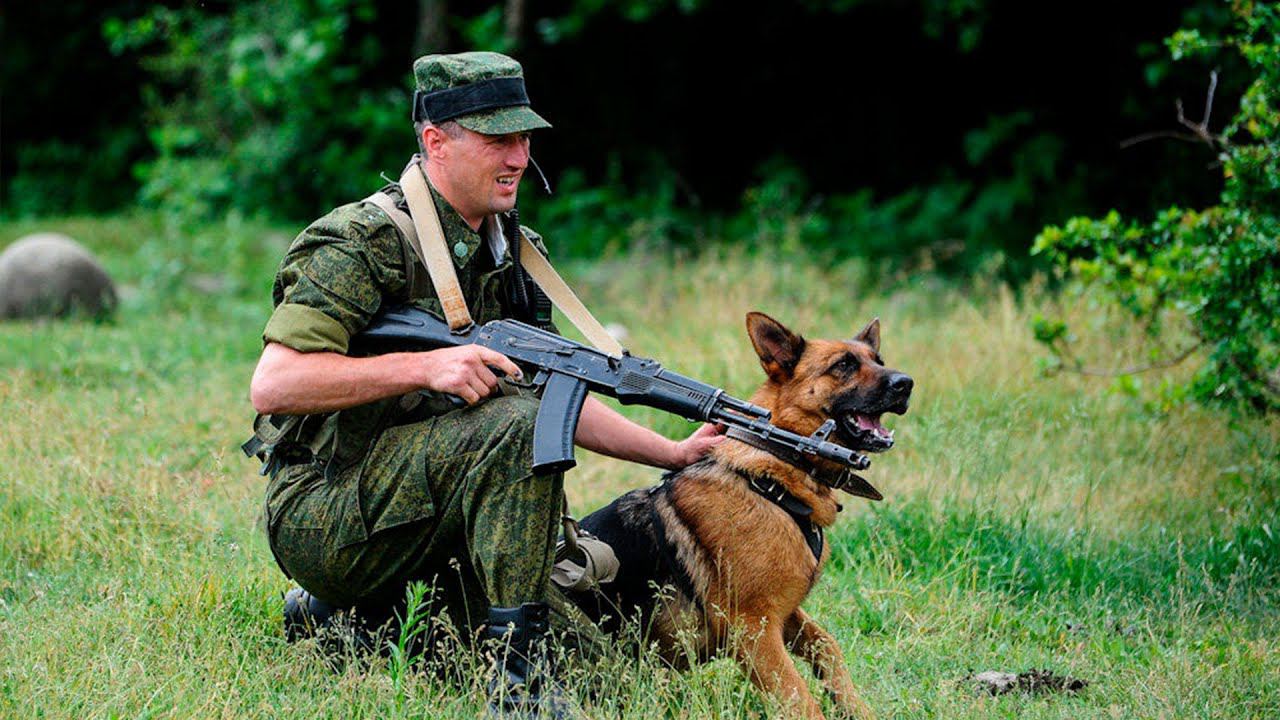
[568,370]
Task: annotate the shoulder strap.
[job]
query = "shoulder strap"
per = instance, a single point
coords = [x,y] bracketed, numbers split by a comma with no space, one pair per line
[430,245]
[416,281]
[434,254]
[539,268]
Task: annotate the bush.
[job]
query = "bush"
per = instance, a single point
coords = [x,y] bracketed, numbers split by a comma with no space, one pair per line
[1200,283]
[263,105]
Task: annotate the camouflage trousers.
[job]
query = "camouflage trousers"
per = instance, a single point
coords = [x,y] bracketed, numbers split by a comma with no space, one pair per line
[482,528]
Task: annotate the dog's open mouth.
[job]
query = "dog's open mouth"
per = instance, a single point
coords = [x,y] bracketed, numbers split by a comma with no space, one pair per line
[865,432]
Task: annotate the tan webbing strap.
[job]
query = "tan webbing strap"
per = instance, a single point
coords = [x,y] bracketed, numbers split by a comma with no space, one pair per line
[413,256]
[539,268]
[434,254]
[431,246]
[402,220]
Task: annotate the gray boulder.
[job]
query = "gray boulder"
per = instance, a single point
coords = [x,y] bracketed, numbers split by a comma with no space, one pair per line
[51,275]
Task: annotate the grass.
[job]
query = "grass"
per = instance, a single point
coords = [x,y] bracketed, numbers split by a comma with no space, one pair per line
[1028,522]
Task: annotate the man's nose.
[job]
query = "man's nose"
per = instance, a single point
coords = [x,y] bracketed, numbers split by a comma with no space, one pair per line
[518,155]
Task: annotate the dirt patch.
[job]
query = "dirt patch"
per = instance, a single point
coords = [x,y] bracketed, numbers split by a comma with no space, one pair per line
[1031,682]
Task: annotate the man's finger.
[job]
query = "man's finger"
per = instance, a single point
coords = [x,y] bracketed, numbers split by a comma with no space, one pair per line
[500,361]
[487,377]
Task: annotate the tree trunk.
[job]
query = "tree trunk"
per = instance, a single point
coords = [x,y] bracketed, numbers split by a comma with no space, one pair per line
[433,30]
[513,23]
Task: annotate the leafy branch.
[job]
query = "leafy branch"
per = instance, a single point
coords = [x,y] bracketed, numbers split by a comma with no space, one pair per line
[1216,270]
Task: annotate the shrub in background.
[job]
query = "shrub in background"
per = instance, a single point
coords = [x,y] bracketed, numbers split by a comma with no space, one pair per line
[264,105]
[1200,283]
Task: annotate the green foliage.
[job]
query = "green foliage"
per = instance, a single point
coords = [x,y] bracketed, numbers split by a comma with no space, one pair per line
[259,107]
[55,176]
[1204,281]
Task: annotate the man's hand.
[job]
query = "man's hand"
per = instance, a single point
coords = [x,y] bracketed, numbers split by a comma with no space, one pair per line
[693,448]
[466,371]
[289,382]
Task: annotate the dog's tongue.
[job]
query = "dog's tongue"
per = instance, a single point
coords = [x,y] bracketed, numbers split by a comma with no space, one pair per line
[868,422]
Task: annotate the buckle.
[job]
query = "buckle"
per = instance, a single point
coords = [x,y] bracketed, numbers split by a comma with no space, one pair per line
[768,492]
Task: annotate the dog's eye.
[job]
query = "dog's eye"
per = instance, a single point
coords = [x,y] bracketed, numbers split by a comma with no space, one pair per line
[845,365]
[879,360]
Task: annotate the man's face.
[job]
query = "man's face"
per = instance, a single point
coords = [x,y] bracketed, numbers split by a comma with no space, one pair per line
[482,172]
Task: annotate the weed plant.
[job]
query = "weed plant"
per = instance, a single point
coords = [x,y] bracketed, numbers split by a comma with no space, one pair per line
[1028,522]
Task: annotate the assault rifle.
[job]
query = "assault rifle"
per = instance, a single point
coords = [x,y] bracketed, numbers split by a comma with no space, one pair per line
[568,370]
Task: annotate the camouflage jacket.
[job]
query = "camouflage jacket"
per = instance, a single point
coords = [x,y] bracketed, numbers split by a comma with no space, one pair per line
[338,273]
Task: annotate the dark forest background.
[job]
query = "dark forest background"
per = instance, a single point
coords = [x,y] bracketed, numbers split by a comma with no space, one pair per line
[940,128]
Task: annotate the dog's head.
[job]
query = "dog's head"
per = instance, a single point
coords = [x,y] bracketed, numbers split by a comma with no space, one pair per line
[811,381]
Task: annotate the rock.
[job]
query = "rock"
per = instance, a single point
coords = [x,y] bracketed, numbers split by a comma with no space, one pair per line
[51,275]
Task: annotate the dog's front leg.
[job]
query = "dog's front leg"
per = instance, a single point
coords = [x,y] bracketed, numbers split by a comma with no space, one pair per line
[808,640]
[763,657]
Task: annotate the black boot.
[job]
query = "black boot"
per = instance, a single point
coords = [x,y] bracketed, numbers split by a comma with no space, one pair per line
[522,685]
[339,631]
[305,615]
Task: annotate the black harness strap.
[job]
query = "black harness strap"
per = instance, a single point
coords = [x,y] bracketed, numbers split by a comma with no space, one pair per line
[774,492]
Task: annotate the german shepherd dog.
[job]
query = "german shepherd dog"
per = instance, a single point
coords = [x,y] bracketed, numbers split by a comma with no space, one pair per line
[734,543]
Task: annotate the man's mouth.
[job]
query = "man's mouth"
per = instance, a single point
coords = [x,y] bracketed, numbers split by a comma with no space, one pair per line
[507,181]
[866,432]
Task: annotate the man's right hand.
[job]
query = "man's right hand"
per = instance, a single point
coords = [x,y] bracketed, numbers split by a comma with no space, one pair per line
[289,382]
[467,371]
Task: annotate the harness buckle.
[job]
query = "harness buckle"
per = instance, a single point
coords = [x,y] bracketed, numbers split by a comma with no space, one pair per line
[773,490]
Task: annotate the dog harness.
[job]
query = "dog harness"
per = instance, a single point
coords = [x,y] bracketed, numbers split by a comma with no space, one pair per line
[774,492]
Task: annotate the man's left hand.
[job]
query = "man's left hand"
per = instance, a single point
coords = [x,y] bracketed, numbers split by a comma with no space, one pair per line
[693,448]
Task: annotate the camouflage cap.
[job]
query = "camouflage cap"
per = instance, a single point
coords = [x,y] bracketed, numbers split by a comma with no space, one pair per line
[481,91]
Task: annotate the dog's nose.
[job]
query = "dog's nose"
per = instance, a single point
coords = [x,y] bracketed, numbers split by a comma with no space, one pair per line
[901,383]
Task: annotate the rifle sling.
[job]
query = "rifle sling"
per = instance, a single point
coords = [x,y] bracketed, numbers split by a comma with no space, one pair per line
[539,268]
[427,240]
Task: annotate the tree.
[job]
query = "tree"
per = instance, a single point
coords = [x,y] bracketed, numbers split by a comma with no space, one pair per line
[1202,284]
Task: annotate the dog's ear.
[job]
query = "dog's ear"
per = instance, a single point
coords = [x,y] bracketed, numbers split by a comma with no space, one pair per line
[779,348]
[870,335]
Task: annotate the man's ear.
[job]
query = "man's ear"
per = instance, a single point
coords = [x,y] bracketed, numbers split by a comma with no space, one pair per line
[779,348]
[870,335]
[433,141]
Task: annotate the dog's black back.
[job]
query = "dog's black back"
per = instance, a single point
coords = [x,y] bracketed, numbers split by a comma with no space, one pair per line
[645,561]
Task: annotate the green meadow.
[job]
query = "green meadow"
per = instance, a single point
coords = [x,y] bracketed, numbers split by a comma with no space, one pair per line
[1059,523]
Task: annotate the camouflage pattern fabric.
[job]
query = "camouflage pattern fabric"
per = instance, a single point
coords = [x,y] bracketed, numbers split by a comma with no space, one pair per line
[449,499]
[442,72]
[391,498]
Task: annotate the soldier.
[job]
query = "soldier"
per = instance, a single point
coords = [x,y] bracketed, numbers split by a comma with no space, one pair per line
[366,496]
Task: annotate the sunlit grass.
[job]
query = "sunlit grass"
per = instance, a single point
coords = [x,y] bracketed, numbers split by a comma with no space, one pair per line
[1029,522]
